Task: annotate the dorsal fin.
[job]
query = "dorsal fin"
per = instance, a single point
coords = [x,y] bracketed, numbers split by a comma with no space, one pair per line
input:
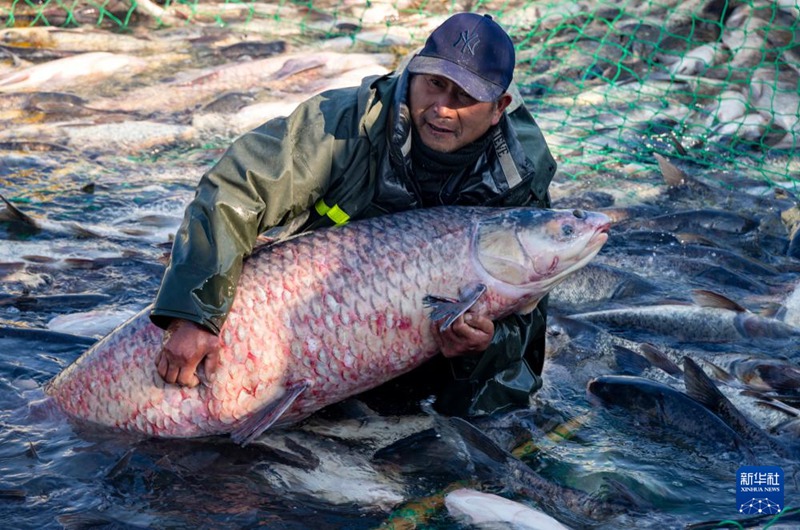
[706,298]
[659,359]
[672,174]
[15,214]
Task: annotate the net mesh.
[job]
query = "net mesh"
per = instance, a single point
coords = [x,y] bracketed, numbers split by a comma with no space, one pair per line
[714,83]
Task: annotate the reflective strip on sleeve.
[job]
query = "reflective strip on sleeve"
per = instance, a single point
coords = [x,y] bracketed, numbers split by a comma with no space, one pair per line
[334,213]
[506,161]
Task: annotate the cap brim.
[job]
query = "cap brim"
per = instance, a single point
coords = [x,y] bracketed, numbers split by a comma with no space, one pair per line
[474,85]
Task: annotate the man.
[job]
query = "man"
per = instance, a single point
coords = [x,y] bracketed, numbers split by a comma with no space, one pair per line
[444,130]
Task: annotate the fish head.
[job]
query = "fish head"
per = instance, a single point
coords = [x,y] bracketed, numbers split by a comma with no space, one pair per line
[628,393]
[531,250]
[605,391]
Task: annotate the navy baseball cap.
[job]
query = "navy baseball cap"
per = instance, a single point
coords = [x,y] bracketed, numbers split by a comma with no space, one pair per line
[471,50]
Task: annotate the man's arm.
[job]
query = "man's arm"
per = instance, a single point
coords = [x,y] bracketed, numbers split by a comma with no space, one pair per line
[267,177]
[256,185]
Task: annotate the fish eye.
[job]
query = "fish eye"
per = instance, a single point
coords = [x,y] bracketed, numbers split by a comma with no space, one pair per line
[567,230]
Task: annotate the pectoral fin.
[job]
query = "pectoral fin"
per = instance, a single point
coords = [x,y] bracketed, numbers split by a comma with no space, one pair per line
[261,420]
[448,309]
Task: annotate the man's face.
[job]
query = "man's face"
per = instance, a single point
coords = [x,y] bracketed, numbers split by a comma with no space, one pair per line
[446,117]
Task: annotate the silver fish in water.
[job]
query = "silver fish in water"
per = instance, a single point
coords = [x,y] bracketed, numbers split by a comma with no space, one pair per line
[477,507]
[330,314]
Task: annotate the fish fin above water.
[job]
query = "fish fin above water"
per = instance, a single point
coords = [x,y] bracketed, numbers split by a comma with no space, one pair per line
[700,387]
[493,464]
[261,420]
[15,214]
[448,309]
[46,335]
[13,494]
[120,465]
[706,298]
[776,404]
[477,444]
[624,495]
[673,175]
[721,374]
[660,360]
[630,362]
[471,444]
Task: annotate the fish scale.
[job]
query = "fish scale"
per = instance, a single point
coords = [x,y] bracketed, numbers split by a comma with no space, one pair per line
[334,312]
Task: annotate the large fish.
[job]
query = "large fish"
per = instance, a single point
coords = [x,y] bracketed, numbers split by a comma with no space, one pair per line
[660,411]
[195,88]
[69,71]
[714,319]
[332,313]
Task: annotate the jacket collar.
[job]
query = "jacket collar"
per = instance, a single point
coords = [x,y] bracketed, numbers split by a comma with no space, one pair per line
[400,137]
[400,130]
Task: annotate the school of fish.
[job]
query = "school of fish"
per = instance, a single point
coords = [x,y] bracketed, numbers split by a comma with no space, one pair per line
[673,353]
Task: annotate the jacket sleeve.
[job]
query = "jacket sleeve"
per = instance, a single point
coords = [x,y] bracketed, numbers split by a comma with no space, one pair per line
[505,375]
[267,176]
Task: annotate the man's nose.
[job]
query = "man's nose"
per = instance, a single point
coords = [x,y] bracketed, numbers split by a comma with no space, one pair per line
[445,103]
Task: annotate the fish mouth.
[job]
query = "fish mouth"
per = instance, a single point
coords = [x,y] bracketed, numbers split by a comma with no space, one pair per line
[591,394]
[596,241]
[591,250]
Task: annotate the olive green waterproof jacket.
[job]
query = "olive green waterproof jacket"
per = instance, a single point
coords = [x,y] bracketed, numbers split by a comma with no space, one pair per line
[344,155]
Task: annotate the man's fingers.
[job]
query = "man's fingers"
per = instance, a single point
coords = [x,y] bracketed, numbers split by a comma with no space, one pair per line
[463,329]
[185,347]
[469,334]
[161,364]
[188,377]
[460,330]
[172,374]
[211,362]
[479,323]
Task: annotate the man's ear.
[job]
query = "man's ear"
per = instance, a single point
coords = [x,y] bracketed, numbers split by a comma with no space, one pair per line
[503,102]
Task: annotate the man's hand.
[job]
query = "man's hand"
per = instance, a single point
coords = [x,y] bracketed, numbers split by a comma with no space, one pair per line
[185,346]
[469,334]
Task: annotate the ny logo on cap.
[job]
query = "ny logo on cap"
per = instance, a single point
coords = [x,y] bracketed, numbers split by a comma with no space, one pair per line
[469,41]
